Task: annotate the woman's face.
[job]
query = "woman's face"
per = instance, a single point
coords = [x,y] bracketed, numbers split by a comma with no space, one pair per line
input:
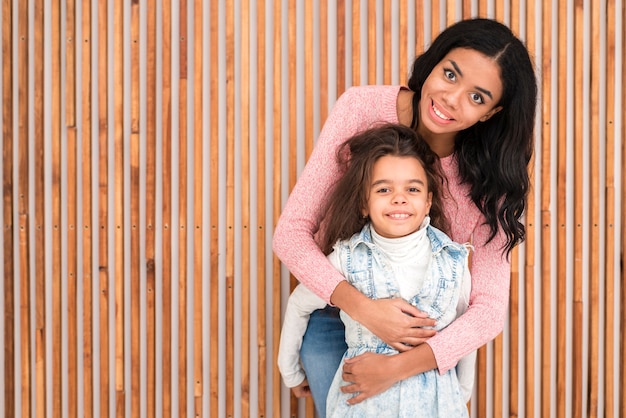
[398,198]
[462,90]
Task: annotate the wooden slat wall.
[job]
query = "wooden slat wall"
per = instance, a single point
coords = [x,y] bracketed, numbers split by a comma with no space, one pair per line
[147,151]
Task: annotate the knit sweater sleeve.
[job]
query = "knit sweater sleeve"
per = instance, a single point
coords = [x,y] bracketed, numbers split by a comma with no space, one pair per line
[294,237]
[489,297]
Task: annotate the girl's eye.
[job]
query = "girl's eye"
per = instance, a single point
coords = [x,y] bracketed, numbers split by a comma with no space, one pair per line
[383,190]
[477,98]
[449,74]
[414,190]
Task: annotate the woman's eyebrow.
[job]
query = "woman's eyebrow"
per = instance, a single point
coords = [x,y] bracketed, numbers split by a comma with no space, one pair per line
[458,70]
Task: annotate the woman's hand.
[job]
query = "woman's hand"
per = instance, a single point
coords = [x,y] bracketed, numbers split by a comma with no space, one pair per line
[395,321]
[398,323]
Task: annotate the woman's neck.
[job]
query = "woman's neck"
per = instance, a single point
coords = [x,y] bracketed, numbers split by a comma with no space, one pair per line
[441,144]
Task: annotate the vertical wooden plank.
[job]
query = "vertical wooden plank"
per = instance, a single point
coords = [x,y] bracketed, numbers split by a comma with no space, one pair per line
[277,202]
[150,197]
[577,320]
[467,8]
[622,317]
[514,323]
[56,254]
[341,46]
[293,134]
[562,179]
[135,220]
[450,12]
[482,8]
[309,82]
[594,216]
[292,115]
[611,232]
[546,210]
[87,269]
[150,202]
[528,377]
[387,29]
[26,350]
[481,381]
[515,16]
[183,221]
[435,19]
[261,74]
[118,208]
[371,41]
[7,210]
[356,43]
[323,7]
[403,47]
[419,30]
[500,15]
[166,208]
[214,383]
[198,207]
[103,200]
[245,207]
[230,206]
[498,384]
[72,210]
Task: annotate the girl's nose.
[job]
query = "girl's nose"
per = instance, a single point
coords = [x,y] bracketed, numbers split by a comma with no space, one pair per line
[398,198]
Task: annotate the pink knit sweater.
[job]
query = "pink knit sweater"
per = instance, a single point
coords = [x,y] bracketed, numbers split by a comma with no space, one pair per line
[294,238]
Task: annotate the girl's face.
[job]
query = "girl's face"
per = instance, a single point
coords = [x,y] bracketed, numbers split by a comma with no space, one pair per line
[398,196]
[462,90]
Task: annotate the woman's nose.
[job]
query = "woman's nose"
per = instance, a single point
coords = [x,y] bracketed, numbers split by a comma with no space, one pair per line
[451,97]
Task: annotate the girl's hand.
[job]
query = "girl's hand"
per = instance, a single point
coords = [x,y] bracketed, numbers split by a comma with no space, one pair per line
[398,323]
[302,390]
[369,374]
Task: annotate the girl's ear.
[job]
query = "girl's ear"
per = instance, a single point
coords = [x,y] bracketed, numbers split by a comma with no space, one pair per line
[429,201]
[491,113]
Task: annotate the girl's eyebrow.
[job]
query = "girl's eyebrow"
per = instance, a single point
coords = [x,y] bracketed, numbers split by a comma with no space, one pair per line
[458,70]
[384,181]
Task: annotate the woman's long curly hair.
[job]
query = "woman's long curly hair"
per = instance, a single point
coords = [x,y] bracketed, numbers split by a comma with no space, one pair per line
[493,156]
[343,216]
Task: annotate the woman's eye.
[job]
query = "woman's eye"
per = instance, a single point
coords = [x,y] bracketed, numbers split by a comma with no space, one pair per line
[477,98]
[449,74]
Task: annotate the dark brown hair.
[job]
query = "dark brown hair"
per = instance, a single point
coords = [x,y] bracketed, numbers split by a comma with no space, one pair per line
[356,156]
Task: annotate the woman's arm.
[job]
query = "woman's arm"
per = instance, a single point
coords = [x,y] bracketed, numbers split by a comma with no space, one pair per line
[294,242]
[489,301]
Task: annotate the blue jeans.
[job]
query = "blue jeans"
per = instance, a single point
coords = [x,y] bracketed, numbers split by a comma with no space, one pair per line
[323,347]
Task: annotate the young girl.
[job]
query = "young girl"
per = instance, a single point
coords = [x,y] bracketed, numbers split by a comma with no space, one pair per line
[381,236]
[472,97]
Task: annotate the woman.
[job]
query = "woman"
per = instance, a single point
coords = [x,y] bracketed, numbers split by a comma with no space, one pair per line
[472,97]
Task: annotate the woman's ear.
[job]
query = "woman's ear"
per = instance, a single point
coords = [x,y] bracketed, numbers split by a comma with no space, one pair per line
[489,114]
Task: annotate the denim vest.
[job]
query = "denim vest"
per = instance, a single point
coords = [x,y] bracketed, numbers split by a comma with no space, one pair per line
[370,271]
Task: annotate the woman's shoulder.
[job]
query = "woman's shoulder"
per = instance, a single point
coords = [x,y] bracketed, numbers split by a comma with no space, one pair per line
[372,92]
